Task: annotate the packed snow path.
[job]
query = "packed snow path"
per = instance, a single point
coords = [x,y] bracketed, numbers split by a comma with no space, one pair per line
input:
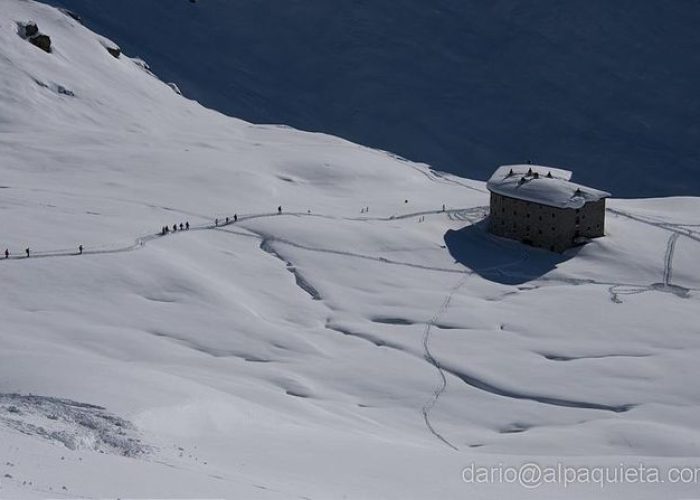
[665,285]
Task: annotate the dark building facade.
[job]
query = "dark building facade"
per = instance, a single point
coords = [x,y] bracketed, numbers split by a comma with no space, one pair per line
[532,205]
[543,226]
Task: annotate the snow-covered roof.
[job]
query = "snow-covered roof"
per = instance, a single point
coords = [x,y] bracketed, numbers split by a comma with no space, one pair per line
[541,184]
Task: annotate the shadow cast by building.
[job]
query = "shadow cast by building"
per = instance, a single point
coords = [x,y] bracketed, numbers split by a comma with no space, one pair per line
[498,259]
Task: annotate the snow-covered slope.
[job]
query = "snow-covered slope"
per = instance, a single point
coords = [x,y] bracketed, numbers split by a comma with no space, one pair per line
[363,343]
[606,88]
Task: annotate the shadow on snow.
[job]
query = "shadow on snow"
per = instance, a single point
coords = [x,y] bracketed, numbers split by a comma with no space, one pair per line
[499,259]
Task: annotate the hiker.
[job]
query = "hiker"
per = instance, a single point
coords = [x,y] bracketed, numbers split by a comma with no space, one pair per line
[279,210]
[443,207]
[7,253]
[187,225]
[182,226]
[216,222]
[405,201]
[80,249]
[235,217]
[27,251]
[227,220]
[174,228]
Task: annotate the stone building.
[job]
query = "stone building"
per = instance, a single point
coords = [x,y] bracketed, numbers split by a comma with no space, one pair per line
[540,206]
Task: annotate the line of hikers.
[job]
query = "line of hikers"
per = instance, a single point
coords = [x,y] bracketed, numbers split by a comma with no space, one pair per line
[186,226]
[183,227]
[27,251]
[228,220]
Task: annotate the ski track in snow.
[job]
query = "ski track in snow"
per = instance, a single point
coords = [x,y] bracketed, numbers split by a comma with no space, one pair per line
[668,259]
[442,387]
[666,285]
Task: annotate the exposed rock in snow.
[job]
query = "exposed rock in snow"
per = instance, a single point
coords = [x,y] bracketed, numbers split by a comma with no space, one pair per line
[175,88]
[30,31]
[114,51]
[72,15]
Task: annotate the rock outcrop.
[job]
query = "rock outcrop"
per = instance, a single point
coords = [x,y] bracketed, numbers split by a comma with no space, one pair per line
[30,32]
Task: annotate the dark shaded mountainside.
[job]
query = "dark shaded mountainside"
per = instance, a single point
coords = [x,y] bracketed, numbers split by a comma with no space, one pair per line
[607,89]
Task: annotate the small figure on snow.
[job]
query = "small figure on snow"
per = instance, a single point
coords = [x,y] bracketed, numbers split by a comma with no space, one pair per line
[279,209]
[227,220]
[174,228]
[80,249]
[216,222]
[182,226]
[7,253]
[26,250]
[187,225]
[235,217]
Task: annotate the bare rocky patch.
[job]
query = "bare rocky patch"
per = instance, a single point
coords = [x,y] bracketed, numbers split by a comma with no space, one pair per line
[77,426]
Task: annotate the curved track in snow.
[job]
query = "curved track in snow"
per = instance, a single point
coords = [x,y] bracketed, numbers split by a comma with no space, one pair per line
[668,258]
[430,358]
[666,285]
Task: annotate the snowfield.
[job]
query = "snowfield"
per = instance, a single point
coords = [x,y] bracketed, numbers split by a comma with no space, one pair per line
[325,352]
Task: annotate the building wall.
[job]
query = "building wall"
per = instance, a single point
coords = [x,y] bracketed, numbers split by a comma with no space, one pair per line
[543,226]
[592,221]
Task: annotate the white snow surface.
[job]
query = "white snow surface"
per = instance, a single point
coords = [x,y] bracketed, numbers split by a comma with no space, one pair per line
[541,184]
[327,352]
